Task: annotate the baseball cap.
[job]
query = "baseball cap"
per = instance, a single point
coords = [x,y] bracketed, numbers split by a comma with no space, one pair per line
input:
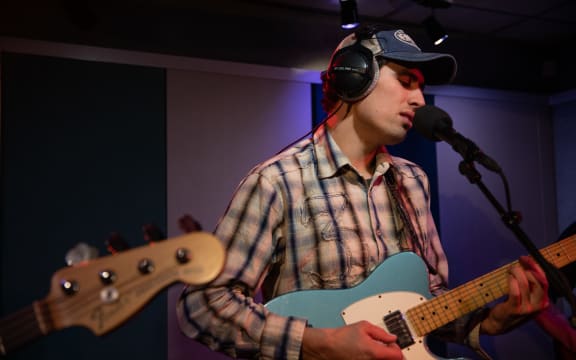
[398,46]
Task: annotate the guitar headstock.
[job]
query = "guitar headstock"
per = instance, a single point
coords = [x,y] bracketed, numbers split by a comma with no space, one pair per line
[101,294]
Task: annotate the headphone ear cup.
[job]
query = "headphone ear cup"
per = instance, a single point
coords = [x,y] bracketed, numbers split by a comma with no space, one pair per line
[353,72]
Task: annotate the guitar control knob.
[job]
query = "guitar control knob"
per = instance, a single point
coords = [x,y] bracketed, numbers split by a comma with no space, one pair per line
[107,277]
[182,255]
[69,287]
[145,266]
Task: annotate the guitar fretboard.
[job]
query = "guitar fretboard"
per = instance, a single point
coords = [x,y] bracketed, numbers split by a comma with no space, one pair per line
[447,307]
[23,326]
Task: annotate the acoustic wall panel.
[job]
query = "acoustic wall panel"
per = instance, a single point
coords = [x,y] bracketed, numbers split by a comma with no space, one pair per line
[83,155]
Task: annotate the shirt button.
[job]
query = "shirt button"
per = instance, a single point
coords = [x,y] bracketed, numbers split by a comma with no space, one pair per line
[379,232]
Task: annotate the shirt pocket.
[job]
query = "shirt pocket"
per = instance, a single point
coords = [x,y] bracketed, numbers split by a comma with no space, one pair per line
[328,260]
[328,214]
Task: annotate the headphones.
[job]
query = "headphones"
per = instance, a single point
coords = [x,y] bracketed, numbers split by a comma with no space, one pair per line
[353,70]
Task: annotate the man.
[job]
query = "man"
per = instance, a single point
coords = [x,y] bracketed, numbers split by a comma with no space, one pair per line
[323,213]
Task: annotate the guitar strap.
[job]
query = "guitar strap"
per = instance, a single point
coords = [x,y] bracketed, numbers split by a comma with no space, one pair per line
[405,233]
[407,237]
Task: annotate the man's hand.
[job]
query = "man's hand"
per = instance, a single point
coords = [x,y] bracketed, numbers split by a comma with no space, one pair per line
[361,340]
[527,295]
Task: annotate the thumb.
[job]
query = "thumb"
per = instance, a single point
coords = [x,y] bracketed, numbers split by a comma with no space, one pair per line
[377,333]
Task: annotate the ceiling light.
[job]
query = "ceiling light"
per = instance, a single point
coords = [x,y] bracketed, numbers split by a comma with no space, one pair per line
[348,14]
[435,30]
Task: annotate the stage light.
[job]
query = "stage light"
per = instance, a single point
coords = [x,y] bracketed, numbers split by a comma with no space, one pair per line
[348,14]
[435,30]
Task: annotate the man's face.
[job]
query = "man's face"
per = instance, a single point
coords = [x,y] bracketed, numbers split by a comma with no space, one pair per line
[385,115]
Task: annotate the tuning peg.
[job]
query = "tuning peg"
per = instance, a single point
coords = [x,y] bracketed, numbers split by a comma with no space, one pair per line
[80,253]
[116,243]
[152,233]
[188,224]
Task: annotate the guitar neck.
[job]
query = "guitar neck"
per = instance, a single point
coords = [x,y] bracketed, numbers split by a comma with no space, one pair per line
[24,326]
[473,295]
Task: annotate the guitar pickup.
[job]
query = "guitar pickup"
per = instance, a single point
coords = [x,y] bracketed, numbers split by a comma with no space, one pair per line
[396,325]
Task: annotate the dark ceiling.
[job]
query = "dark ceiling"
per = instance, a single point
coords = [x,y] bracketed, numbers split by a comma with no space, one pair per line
[521,45]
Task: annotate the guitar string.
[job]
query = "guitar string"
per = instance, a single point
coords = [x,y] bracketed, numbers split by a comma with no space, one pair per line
[123,287]
[13,333]
[434,310]
[432,315]
[27,326]
[548,251]
[50,309]
[431,311]
[557,253]
[79,304]
[42,316]
[550,256]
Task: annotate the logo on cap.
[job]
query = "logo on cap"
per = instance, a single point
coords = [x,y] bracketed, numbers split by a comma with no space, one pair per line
[405,38]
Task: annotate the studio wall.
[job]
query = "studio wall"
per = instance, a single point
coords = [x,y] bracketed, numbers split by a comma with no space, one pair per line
[83,156]
[517,133]
[564,110]
[219,127]
[179,142]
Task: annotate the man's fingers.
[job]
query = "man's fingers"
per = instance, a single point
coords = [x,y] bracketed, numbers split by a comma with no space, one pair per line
[380,334]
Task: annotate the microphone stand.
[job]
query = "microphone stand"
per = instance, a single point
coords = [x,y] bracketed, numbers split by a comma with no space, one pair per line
[511,219]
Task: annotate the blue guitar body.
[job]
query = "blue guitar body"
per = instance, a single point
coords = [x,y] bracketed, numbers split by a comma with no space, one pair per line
[322,308]
[396,297]
[396,285]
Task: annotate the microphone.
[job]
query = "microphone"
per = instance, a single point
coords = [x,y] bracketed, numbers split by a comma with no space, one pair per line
[436,125]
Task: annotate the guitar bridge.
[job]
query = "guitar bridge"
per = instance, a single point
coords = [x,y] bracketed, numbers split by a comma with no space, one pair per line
[396,325]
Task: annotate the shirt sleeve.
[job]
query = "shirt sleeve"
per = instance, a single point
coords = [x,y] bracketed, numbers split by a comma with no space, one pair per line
[223,314]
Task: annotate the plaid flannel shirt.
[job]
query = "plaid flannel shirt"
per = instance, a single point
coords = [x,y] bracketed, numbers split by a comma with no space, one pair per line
[305,219]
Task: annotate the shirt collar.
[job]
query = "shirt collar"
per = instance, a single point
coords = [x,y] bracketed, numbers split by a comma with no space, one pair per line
[330,159]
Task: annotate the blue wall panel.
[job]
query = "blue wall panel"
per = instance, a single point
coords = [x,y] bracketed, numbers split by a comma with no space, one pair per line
[83,155]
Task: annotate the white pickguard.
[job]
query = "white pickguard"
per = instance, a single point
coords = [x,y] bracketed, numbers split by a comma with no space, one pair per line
[400,284]
[374,308]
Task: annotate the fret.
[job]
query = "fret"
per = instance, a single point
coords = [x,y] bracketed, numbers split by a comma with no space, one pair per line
[477,293]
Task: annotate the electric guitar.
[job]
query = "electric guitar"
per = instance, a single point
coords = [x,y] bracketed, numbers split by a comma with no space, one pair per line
[396,297]
[103,293]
